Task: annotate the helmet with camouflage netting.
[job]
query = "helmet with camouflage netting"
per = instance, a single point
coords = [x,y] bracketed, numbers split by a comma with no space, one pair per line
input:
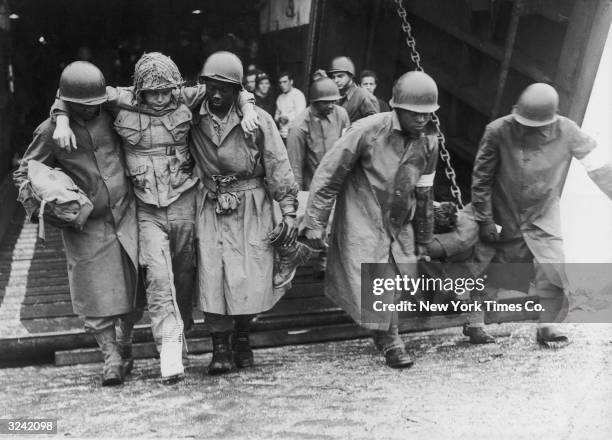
[156,71]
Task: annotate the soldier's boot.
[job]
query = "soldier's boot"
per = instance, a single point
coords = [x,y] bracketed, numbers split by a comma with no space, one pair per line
[171,354]
[477,334]
[112,373]
[125,332]
[392,347]
[547,334]
[223,357]
[287,261]
[243,354]
[551,336]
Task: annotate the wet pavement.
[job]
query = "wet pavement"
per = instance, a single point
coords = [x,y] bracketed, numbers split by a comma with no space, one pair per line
[342,390]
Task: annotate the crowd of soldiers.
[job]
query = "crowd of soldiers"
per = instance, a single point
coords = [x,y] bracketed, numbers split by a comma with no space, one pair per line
[197,190]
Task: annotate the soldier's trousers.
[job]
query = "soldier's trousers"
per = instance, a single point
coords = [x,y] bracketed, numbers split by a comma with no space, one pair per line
[167,255]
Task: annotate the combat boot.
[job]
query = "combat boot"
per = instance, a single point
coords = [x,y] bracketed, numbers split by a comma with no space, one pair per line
[243,354]
[477,334]
[112,373]
[397,357]
[125,332]
[222,358]
[287,262]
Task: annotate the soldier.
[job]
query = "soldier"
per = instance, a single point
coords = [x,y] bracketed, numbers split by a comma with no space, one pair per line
[235,255]
[103,256]
[312,135]
[519,173]
[357,101]
[381,172]
[153,119]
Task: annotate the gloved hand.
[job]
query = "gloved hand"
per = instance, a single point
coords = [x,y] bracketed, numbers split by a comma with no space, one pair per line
[250,120]
[488,232]
[63,135]
[314,238]
[285,233]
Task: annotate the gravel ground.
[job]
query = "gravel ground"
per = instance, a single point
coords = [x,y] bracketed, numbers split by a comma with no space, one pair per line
[342,390]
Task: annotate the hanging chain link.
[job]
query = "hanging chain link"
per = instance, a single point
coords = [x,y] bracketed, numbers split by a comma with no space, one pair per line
[416,59]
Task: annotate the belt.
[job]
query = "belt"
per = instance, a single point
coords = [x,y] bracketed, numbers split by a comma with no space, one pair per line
[224,184]
[159,150]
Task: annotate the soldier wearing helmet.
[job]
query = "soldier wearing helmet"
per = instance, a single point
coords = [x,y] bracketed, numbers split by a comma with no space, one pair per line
[103,255]
[381,173]
[153,121]
[311,135]
[240,176]
[519,173]
[357,102]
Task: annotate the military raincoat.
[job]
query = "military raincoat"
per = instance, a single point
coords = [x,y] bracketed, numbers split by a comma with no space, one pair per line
[518,177]
[373,171]
[235,257]
[103,257]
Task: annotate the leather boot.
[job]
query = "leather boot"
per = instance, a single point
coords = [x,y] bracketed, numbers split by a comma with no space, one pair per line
[112,373]
[243,354]
[477,335]
[125,332]
[287,262]
[223,358]
[398,357]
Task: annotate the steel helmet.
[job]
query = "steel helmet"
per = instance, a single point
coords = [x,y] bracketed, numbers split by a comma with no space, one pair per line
[324,89]
[83,83]
[156,71]
[537,105]
[342,64]
[415,91]
[223,66]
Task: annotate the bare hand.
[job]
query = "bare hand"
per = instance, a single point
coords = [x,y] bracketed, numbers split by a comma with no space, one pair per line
[250,120]
[63,135]
[314,239]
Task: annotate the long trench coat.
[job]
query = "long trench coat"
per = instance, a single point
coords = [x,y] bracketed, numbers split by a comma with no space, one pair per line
[373,171]
[235,257]
[103,257]
[518,177]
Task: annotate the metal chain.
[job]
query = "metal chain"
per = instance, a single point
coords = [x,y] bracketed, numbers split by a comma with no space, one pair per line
[449,171]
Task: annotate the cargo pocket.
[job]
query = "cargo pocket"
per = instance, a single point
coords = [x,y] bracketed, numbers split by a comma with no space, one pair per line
[130,126]
[177,169]
[137,171]
[178,123]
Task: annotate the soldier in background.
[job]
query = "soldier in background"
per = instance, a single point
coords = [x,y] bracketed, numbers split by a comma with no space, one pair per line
[357,102]
[289,104]
[311,135]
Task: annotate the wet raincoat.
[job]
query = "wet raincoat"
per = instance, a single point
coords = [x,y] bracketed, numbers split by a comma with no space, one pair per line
[373,170]
[103,256]
[518,177]
[235,257]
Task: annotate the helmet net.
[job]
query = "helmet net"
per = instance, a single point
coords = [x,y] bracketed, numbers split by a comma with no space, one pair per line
[155,71]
